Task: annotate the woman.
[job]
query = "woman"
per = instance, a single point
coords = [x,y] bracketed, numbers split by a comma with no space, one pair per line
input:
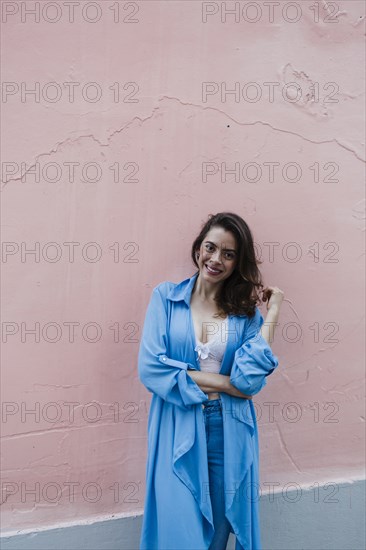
[203,354]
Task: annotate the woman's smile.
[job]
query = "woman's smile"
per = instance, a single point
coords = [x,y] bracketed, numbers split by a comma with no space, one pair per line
[212,271]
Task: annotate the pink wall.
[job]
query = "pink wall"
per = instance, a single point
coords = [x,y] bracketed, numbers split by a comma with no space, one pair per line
[171,144]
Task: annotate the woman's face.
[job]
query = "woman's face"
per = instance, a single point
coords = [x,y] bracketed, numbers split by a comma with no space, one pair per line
[219,252]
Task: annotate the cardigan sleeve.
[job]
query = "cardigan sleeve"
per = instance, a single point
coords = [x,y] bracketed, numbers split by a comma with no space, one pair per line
[254,360]
[160,374]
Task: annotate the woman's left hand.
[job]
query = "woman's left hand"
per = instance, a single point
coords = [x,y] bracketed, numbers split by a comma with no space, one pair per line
[274,295]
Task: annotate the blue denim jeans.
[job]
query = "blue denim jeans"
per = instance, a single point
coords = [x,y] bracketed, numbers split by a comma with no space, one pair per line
[212,414]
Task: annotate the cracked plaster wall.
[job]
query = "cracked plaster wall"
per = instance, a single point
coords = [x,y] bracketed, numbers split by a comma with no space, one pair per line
[168,134]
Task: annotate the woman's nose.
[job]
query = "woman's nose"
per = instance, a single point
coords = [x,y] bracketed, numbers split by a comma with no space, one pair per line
[216,256]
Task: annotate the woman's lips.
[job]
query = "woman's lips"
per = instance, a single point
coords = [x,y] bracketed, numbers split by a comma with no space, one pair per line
[212,272]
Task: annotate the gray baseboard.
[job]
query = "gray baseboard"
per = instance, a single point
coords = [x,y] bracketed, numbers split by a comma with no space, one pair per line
[329,518]
[322,519]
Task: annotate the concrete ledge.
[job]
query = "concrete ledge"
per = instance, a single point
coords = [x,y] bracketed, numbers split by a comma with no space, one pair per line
[330,518]
[327,518]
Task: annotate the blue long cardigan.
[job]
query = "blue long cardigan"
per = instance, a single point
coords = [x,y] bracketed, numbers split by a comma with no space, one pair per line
[177,511]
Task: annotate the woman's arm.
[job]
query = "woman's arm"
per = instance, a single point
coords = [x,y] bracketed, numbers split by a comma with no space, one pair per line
[274,296]
[212,382]
[271,321]
[161,374]
[254,360]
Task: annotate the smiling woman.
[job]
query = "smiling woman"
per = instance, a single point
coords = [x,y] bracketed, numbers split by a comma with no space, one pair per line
[202,465]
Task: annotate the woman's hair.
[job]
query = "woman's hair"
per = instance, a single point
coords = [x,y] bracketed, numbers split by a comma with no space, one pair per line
[239,293]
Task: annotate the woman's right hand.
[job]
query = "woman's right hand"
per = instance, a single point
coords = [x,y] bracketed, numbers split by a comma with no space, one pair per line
[232,390]
[211,382]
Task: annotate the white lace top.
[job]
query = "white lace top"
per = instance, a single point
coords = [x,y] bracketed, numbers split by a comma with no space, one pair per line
[211,354]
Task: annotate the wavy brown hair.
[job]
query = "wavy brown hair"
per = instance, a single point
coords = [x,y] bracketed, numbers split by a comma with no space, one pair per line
[239,293]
